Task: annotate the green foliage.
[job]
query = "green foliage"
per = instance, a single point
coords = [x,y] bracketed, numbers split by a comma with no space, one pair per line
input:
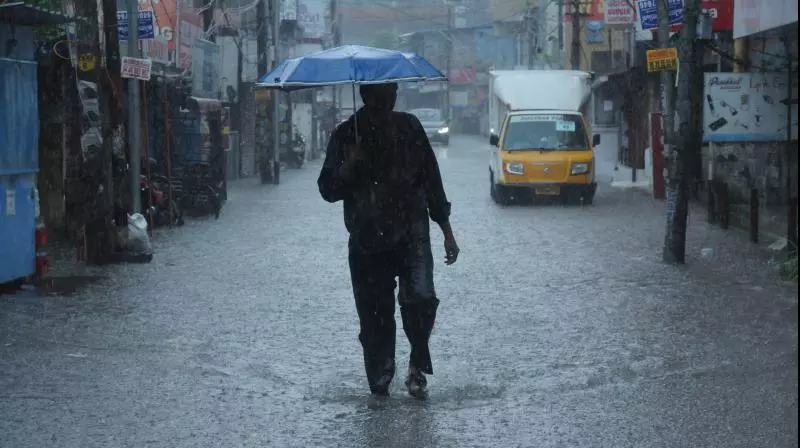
[46,33]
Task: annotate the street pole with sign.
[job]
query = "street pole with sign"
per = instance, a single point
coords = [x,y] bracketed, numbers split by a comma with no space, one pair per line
[680,159]
[134,144]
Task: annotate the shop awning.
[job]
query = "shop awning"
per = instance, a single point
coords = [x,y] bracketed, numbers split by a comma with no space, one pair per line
[22,14]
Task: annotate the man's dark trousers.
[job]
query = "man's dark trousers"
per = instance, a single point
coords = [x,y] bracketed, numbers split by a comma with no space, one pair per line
[373,276]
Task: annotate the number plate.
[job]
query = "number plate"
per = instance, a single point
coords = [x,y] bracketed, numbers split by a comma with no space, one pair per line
[549,191]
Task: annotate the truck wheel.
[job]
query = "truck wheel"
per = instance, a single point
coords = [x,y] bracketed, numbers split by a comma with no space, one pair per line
[498,192]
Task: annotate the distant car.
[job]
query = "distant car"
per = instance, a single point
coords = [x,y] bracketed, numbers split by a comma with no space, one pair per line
[435,126]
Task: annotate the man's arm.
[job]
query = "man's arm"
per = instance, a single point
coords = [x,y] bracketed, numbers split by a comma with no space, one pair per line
[438,205]
[337,174]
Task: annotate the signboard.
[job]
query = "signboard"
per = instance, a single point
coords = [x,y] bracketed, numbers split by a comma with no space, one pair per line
[87,62]
[618,12]
[662,59]
[311,18]
[755,16]
[747,107]
[135,68]
[146,23]
[721,13]
[648,13]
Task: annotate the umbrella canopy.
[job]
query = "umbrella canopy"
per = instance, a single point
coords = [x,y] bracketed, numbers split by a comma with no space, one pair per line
[350,64]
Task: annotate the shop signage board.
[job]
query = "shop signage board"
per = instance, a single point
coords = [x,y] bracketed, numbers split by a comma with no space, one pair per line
[747,107]
[618,12]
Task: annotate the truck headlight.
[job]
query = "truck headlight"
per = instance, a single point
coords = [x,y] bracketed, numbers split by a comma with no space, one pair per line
[444,130]
[515,168]
[580,168]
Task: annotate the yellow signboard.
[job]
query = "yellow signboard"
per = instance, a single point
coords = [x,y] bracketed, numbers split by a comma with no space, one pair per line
[87,62]
[662,59]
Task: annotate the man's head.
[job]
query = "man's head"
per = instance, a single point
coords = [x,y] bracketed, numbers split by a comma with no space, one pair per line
[379,98]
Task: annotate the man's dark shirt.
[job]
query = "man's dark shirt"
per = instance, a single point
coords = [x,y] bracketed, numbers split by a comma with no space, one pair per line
[390,194]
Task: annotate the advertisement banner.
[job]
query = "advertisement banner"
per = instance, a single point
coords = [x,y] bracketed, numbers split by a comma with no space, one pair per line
[146,25]
[311,18]
[648,13]
[721,13]
[135,68]
[748,107]
[618,12]
[662,59]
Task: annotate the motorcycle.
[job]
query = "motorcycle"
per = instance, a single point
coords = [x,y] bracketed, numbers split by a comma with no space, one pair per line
[158,201]
[202,194]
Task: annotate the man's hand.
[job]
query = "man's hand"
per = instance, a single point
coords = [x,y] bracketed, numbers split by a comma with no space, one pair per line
[354,153]
[451,249]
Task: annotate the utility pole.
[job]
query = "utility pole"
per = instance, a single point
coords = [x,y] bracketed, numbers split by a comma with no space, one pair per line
[276,104]
[134,117]
[264,162]
[667,79]
[530,25]
[560,34]
[576,35]
[680,160]
[449,59]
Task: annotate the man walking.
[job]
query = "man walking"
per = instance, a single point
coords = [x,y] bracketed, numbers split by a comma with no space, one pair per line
[390,183]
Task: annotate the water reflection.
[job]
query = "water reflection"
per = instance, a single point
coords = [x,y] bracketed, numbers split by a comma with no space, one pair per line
[403,423]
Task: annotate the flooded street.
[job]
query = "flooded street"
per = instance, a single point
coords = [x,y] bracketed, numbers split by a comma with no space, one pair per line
[558,327]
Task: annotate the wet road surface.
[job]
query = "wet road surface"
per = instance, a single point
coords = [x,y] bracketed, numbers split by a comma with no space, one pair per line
[559,327]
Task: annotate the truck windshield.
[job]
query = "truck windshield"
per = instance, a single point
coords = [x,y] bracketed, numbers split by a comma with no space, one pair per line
[545,132]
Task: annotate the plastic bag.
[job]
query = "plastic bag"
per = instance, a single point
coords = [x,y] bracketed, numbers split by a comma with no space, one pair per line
[138,239]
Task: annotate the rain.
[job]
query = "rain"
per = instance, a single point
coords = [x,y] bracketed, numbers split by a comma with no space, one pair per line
[442,223]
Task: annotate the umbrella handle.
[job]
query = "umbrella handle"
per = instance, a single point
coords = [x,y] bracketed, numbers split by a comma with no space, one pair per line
[355,116]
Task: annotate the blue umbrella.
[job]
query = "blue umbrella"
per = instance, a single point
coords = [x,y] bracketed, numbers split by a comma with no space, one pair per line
[350,64]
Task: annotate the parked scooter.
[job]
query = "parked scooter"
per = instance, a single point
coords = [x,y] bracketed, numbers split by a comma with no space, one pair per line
[296,155]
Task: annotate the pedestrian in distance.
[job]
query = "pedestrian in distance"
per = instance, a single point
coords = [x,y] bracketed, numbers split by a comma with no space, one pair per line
[387,175]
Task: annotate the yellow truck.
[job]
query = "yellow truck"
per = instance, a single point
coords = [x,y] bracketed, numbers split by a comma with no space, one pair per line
[539,136]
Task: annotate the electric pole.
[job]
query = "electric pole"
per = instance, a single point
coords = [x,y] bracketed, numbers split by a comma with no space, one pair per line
[134,130]
[530,28]
[264,162]
[560,34]
[276,109]
[449,60]
[576,35]
[680,160]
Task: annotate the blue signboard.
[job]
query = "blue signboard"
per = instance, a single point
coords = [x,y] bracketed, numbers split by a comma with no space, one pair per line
[147,30]
[648,13]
